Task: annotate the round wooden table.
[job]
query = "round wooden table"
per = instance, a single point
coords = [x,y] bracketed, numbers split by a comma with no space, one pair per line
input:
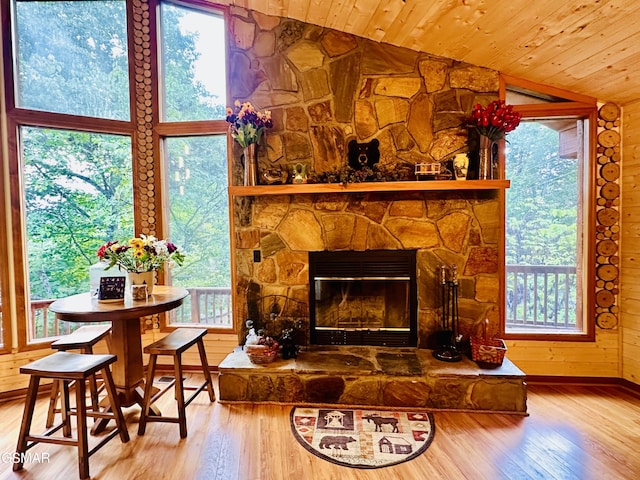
[126,341]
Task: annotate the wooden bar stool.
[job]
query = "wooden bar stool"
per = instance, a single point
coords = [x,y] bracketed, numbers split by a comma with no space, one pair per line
[68,367]
[175,344]
[83,339]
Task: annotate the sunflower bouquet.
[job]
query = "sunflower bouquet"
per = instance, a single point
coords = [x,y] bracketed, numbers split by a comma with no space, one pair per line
[140,254]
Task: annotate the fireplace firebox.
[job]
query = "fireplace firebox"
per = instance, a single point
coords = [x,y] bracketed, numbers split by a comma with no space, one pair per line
[363,298]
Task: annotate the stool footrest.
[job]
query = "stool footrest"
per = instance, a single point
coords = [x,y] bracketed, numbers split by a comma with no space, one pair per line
[162,391]
[163,419]
[101,444]
[47,439]
[197,391]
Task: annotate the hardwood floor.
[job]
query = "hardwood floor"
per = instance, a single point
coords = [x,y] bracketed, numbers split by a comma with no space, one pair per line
[572,432]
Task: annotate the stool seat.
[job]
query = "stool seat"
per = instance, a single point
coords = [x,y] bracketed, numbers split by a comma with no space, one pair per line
[176,342]
[64,368]
[84,337]
[174,345]
[68,366]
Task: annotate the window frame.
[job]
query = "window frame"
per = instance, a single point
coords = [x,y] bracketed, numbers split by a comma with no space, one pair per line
[6,300]
[579,106]
[22,117]
[166,129]
[15,291]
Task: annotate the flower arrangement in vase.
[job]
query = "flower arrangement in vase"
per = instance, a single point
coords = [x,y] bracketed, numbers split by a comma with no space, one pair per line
[247,127]
[247,124]
[140,257]
[492,123]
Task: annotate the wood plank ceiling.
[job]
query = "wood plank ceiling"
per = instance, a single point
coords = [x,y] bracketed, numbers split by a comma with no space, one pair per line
[589,46]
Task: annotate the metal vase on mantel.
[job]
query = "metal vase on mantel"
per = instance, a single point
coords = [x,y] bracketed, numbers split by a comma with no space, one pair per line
[251,165]
[485,161]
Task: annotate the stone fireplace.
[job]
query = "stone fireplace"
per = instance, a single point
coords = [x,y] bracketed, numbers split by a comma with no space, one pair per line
[437,227]
[326,88]
[363,298]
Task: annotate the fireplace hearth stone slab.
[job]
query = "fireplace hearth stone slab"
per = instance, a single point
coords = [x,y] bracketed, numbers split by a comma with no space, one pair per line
[399,363]
[374,376]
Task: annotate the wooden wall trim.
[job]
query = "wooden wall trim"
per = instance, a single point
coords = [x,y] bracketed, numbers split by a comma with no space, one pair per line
[557,92]
[599,381]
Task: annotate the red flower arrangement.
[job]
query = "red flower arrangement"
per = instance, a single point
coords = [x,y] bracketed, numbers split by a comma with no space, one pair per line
[495,120]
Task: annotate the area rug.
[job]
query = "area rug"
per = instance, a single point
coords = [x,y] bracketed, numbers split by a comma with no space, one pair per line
[362,438]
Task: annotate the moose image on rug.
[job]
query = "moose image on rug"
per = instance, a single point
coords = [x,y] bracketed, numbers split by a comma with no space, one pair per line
[362,438]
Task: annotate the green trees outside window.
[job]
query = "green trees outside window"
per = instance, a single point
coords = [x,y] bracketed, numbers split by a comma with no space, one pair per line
[543,241]
[72,57]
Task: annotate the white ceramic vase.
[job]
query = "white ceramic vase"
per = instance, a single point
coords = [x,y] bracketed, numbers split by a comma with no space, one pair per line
[460,166]
[142,278]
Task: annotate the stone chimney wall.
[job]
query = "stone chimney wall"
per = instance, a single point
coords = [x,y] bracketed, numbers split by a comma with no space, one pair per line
[325,88]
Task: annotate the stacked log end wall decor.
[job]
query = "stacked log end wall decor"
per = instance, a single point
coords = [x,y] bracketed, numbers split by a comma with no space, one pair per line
[608,216]
[147,203]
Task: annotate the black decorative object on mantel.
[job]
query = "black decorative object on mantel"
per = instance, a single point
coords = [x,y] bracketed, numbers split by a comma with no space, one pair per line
[363,154]
[448,336]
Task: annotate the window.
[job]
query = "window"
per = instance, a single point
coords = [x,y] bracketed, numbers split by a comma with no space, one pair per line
[68,110]
[548,160]
[199,223]
[72,57]
[193,64]
[85,168]
[194,85]
[78,196]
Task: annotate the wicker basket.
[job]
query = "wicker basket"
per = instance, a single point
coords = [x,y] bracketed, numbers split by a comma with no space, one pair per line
[487,351]
[260,354]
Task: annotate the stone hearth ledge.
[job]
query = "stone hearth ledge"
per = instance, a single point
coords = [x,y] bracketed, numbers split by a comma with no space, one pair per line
[374,376]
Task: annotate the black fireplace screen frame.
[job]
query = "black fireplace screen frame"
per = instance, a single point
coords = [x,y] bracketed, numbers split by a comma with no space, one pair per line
[364,264]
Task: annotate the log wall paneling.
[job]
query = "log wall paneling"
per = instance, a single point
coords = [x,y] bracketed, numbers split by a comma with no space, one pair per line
[630,245]
[572,359]
[147,202]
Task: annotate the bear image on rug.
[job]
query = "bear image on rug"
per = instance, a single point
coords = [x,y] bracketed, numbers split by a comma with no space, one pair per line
[362,438]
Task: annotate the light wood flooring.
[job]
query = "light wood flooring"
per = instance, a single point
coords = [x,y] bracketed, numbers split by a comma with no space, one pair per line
[572,432]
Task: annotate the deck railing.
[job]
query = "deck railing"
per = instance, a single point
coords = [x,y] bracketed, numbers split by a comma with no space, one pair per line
[209,306]
[541,296]
[538,296]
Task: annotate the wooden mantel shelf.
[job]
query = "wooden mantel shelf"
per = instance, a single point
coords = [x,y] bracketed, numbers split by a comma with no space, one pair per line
[366,187]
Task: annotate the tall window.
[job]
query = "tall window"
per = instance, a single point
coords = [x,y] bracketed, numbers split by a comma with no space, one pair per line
[192,79]
[75,144]
[199,222]
[71,58]
[547,205]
